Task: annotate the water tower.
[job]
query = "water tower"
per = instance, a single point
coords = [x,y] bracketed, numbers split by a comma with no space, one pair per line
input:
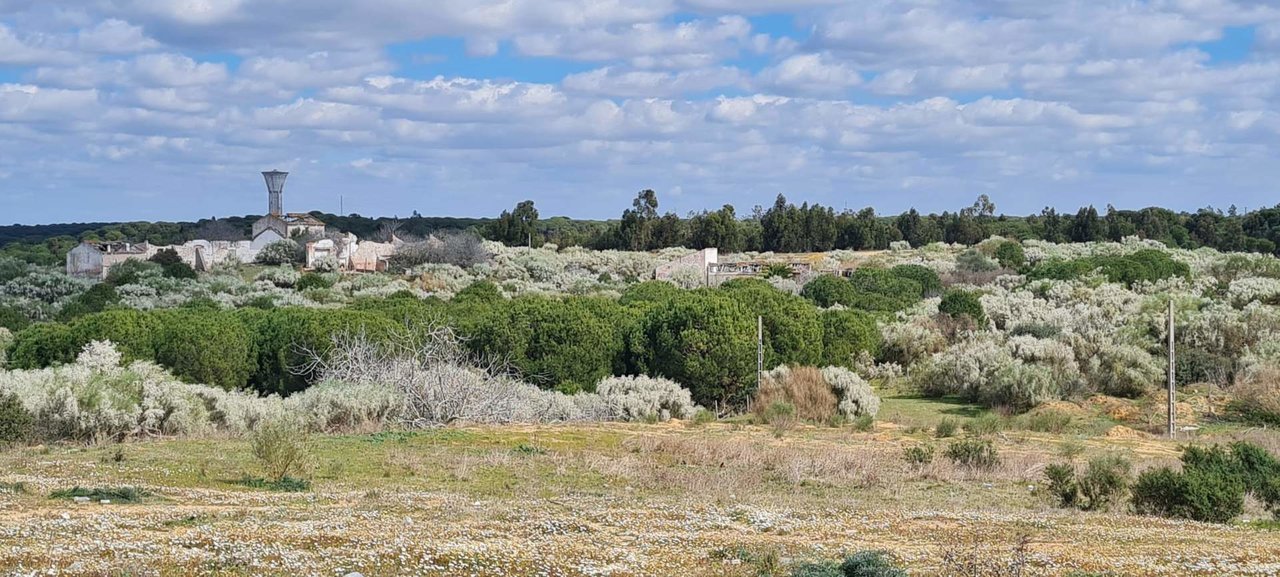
[275,191]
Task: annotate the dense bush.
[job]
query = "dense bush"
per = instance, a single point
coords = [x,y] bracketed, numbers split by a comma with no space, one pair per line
[556,343]
[793,331]
[13,319]
[846,335]
[1010,255]
[280,252]
[1212,485]
[482,292]
[200,347]
[704,341]
[930,283]
[829,290]
[1142,266]
[6,341]
[882,290]
[16,424]
[172,264]
[129,271]
[959,303]
[314,280]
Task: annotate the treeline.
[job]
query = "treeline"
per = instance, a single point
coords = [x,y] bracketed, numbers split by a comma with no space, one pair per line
[786,227]
[782,227]
[704,339]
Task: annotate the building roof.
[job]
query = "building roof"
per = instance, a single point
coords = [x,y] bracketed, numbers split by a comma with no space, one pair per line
[302,219]
[118,247]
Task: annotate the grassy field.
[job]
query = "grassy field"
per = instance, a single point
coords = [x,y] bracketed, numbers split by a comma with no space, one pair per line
[625,500]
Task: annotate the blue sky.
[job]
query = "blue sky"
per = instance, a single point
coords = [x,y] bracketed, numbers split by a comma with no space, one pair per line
[169,109]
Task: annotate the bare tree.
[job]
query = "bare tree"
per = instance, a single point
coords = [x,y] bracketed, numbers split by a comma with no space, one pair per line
[440,382]
[463,249]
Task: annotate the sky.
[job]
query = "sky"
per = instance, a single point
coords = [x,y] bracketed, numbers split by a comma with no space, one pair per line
[169,109]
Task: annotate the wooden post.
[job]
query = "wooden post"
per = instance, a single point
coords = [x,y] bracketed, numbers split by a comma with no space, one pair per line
[1173,411]
[759,350]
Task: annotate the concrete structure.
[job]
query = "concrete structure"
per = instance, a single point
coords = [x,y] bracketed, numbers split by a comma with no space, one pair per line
[706,263]
[700,261]
[95,259]
[272,228]
[352,254]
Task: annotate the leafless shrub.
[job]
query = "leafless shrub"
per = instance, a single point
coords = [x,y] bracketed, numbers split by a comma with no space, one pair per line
[438,382]
[803,387]
[463,249]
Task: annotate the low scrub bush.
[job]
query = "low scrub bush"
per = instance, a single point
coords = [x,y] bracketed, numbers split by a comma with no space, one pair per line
[802,388]
[1055,422]
[1142,266]
[988,424]
[779,415]
[113,494]
[946,428]
[974,453]
[1061,478]
[643,398]
[284,485]
[1104,482]
[918,455]
[1257,396]
[860,564]
[283,449]
[16,423]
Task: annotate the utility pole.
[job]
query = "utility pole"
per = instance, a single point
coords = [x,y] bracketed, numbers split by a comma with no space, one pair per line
[1173,410]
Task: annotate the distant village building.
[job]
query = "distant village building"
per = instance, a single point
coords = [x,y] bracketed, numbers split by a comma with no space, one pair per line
[348,252]
[94,259]
[273,228]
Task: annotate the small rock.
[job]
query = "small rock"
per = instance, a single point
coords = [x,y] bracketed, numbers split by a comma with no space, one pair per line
[66,516]
[353,574]
[105,501]
[80,499]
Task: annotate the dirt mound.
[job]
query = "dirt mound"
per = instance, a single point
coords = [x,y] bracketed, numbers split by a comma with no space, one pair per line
[1117,409]
[1123,432]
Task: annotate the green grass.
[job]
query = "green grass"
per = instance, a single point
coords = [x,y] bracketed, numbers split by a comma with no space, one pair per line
[914,410]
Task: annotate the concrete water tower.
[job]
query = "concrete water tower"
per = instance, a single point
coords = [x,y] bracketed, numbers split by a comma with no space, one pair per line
[275,191]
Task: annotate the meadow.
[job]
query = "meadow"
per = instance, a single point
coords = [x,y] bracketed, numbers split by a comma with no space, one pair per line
[993,410]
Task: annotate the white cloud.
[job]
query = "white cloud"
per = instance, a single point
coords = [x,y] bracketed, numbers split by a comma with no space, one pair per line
[810,74]
[934,99]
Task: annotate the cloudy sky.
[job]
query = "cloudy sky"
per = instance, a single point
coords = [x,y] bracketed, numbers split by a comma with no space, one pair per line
[169,109]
